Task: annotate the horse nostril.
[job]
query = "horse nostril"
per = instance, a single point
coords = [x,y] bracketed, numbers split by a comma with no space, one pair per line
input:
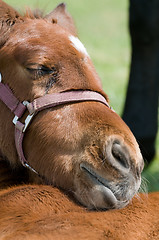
[120,155]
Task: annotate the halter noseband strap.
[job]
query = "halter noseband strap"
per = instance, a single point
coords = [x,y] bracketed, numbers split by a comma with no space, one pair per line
[39,104]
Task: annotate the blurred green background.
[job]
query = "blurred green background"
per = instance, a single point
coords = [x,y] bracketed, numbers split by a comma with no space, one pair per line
[103,28]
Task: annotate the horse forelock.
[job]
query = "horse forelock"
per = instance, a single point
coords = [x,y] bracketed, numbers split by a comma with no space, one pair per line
[35,13]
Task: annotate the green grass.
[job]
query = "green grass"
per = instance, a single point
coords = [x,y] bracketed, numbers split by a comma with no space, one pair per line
[102,27]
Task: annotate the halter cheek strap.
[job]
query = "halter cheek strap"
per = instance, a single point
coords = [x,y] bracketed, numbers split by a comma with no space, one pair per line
[37,105]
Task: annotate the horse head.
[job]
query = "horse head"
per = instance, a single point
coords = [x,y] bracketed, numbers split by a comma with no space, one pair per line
[82,147]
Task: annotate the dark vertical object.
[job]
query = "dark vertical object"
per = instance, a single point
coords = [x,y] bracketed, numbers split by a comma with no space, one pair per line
[141,106]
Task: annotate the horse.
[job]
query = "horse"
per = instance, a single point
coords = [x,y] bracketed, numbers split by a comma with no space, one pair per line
[41,212]
[56,125]
[66,157]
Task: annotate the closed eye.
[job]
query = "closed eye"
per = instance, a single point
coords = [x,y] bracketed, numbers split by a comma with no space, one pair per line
[40,71]
[50,75]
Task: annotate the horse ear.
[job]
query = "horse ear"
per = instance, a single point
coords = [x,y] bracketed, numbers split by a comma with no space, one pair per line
[60,16]
[8,17]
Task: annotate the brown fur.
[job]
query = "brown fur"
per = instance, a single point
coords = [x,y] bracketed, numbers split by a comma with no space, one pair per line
[63,143]
[43,212]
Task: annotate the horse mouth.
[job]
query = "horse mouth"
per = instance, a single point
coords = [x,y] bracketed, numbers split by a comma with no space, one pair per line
[94,176]
[103,186]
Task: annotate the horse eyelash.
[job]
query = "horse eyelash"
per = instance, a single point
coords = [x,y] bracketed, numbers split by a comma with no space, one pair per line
[42,71]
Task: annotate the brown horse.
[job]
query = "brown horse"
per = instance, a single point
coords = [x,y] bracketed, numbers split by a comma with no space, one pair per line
[39,212]
[80,145]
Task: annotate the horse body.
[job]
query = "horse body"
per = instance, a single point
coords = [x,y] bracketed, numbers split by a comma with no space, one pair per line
[42,212]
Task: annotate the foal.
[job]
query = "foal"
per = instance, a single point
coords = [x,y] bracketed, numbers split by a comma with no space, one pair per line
[79,145]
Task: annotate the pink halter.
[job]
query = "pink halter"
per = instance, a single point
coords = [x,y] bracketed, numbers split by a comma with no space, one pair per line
[39,104]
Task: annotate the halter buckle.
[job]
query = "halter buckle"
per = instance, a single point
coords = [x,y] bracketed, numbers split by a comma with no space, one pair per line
[27,120]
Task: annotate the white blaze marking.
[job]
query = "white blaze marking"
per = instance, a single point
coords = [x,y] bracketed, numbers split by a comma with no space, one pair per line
[76,43]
